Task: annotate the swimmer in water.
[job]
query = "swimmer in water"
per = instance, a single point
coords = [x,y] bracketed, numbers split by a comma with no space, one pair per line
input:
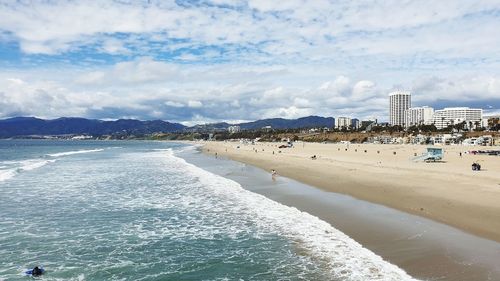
[36,271]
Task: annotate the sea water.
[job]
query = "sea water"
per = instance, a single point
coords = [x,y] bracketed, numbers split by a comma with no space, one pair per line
[116,210]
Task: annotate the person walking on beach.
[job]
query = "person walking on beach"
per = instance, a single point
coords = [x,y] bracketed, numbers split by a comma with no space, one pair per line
[273,173]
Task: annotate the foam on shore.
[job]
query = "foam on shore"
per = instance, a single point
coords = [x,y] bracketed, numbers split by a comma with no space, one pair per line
[346,259]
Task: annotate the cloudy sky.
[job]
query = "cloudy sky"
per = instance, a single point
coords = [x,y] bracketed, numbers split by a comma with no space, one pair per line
[220,60]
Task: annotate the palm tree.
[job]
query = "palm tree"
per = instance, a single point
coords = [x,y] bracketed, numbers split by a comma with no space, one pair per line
[476,124]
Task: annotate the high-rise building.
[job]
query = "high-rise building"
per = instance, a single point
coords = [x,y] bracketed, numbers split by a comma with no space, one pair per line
[456,115]
[418,116]
[343,122]
[399,101]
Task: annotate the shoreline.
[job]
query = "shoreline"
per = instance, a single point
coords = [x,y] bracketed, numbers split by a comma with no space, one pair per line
[446,192]
[425,249]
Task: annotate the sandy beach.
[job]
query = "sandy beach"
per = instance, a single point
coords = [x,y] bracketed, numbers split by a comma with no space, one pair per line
[447,191]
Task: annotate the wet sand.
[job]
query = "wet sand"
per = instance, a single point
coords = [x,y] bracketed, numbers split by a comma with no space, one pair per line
[425,249]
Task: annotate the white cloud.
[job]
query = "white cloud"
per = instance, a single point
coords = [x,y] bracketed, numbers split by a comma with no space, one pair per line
[28,94]
[141,70]
[230,60]
[114,46]
[363,90]
[462,88]
[301,28]
[195,104]
[174,104]
[290,112]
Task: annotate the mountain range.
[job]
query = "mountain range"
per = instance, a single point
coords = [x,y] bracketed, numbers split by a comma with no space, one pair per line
[275,123]
[25,126]
[28,126]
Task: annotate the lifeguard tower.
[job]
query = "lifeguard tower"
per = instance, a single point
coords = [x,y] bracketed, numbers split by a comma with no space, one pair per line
[432,155]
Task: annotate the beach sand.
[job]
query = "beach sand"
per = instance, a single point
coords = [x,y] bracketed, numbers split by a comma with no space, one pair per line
[448,191]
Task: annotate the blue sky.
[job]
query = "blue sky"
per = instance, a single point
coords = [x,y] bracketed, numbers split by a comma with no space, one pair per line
[217,60]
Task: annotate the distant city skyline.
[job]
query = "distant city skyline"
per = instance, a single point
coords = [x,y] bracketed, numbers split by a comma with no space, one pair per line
[207,61]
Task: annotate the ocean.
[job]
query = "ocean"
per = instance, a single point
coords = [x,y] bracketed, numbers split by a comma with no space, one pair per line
[137,210]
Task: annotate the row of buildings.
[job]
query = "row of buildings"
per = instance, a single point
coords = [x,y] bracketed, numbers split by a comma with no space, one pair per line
[401,113]
[440,139]
[347,122]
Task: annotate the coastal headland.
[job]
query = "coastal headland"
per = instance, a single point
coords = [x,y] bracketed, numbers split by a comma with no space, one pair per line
[448,191]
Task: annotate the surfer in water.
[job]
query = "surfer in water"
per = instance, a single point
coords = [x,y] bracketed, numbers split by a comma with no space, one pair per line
[36,271]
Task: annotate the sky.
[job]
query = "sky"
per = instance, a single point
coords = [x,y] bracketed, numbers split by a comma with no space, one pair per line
[218,60]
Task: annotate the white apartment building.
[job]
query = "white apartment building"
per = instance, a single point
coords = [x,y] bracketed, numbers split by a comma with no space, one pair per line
[399,101]
[233,129]
[419,116]
[343,122]
[456,115]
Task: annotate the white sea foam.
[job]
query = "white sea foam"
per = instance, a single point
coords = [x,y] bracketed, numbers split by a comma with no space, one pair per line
[346,259]
[74,152]
[15,167]
[10,169]
[7,174]
[31,164]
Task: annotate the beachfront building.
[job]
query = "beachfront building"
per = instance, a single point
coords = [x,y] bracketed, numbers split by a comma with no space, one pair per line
[419,139]
[233,129]
[399,102]
[481,140]
[444,139]
[455,115]
[343,122]
[415,116]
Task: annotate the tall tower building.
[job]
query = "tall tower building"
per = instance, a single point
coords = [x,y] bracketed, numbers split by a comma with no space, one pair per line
[399,101]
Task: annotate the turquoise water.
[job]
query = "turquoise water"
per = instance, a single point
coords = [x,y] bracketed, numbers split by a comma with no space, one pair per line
[89,210]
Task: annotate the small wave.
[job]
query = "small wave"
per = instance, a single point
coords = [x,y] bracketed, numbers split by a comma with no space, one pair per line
[20,166]
[7,174]
[28,165]
[74,152]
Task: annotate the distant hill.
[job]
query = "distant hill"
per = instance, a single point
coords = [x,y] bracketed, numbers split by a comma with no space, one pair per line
[275,123]
[25,126]
[208,127]
[280,123]
[29,126]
